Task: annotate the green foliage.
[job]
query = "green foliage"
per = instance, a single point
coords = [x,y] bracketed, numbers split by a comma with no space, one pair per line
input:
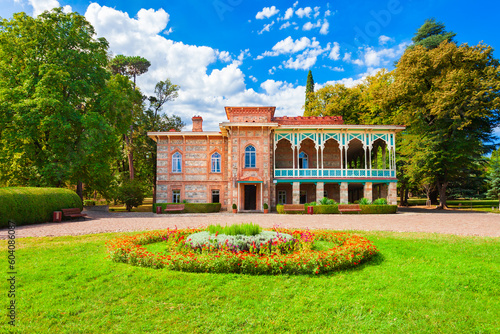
[309,93]
[234,206]
[131,66]
[378,209]
[193,207]
[88,202]
[235,229]
[326,209]
[29,205]
[494,176]
[326,201]
[266,207]
[431,34]
[131,193]
[364,201]
[379,201]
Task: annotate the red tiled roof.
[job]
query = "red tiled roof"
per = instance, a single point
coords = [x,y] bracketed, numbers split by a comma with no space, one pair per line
[300,120]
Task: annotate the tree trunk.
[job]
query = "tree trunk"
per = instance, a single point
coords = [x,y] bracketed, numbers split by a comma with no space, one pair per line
[433,196]
[442,195]
[79,189]
[402,192]
[406,196]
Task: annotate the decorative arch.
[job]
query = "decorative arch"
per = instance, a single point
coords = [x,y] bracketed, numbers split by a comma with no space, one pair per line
[283,153]
[177,162]
[215,162]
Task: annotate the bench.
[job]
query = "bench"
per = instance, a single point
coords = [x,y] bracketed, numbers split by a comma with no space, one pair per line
[293,207]
[174,207]
[349,208]
[73,213]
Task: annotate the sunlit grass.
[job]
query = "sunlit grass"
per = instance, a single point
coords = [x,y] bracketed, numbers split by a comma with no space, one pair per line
[420,283]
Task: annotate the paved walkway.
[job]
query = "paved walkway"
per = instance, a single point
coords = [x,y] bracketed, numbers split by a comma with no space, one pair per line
[407,220]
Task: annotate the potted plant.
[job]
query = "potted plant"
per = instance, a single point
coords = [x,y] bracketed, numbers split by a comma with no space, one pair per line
[266,208]
[235,208]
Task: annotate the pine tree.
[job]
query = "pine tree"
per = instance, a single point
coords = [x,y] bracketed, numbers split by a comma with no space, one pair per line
[431,34]
[309,91]
[494,176]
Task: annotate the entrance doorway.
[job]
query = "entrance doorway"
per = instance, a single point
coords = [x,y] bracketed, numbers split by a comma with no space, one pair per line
[250,197]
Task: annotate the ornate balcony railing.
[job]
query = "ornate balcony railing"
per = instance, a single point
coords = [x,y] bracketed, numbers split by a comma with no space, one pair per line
[329,173]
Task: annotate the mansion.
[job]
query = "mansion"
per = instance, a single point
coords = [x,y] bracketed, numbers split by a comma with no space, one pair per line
[257,158]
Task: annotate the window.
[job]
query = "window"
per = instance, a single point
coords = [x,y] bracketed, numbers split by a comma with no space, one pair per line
[215,163]
[250,157]
[325,194]
[177,163]
[215,196]
[281,196]
[176,196]
[303,160]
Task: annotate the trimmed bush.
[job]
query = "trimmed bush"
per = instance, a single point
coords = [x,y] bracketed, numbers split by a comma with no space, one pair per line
[248,229]
[30,205]
[378,209]
[380,201]
[191,207]
[326,209]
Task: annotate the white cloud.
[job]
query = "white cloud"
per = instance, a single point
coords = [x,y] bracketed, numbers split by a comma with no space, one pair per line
[301,12]
[309,25]
[347,57]
[382,40]
[39,6]
[267,27]
[288,13]
[304,60]
[267,12]
[288,45]
[328,13]
[254,79]
[335,52]
[374,57]
[224,56]
[316,12]
[335,69]
[285,25]
[324,27]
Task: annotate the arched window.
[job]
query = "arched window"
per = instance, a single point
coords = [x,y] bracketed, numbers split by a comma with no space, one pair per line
[215,163]
[177,163]
[303,160]
[250,157]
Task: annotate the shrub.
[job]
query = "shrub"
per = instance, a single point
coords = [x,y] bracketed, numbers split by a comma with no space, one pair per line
[131,193]
[378,209]
[234,206]
[30,205]
[235,229]
[266,207]
[326,209]
[380,201]
[326,201]
[364,201]
[88,202]
[192,207]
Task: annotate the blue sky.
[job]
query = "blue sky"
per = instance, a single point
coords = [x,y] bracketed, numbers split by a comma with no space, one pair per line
[242,52]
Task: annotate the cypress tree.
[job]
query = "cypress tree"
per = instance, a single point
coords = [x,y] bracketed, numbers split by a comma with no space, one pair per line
[309,91]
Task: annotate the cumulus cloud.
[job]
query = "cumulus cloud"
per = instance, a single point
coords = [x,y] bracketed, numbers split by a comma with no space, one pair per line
[382,40]
[267,27]
[324,27]
[335,52]
[301,12]
[267,12]
[285,25]
[288,14]
[39,6]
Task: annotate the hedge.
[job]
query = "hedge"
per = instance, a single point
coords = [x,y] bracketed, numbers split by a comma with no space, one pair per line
[333,209]
[30,205]
[191,207]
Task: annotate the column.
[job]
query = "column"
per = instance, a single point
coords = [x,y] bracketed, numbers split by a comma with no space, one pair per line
[296,193]
[384,152]
[367,191]
[320,191]
[344,192]
[392,197]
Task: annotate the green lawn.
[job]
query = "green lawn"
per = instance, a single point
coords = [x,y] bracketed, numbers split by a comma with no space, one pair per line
[421,283]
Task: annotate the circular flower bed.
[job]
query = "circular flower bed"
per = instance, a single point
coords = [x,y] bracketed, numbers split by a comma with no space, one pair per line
[348,250]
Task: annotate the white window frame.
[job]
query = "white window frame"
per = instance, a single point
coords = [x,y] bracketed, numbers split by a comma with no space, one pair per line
[250,152]
[281,196]
[303,160]
[215,163]
[176,195]
[177,163]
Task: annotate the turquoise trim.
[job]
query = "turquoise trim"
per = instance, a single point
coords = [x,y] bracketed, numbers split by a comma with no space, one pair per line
[332,181]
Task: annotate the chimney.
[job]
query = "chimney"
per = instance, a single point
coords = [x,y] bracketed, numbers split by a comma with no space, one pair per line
[197,124]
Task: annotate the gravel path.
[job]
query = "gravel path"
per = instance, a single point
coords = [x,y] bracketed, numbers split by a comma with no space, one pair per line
[407,220]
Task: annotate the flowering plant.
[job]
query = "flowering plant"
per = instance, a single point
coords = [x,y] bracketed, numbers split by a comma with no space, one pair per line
[349,250]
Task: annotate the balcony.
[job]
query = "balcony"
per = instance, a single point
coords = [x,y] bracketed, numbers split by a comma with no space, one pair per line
[334,173]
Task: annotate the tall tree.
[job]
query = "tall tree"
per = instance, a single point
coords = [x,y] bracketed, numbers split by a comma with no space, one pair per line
[131,66]
[431,34]
[449,97]
[309,92]
[52,69]
[494,176]
[153,120]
